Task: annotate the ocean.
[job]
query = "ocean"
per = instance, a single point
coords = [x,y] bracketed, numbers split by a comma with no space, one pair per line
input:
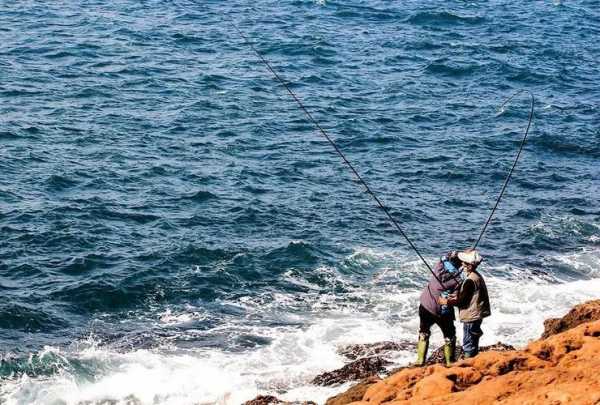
[174,230]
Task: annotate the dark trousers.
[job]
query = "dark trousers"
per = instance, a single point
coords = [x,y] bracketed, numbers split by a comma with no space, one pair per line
[471,334]
[445,322]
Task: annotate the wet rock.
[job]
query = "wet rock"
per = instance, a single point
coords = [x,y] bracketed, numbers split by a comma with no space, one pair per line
[437,356]
[264,400]
[359,369]
[271,400]
[356,351]
[129,400]
[587,312]
[497,347]
[354,393]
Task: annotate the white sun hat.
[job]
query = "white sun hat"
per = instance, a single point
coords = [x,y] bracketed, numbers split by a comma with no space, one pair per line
[470,256]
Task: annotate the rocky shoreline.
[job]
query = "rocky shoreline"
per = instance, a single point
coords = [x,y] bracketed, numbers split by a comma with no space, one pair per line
[562,367]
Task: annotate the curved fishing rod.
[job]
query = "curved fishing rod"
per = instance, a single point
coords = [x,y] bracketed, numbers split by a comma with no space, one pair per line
[510,172]
[339,152]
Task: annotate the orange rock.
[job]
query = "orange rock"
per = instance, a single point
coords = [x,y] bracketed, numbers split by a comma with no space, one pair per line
[583,313]
[354,393]
[561,369]
[432,386]
[406,378]
[380,392]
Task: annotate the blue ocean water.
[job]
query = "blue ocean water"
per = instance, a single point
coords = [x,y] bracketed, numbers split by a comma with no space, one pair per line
[174,230]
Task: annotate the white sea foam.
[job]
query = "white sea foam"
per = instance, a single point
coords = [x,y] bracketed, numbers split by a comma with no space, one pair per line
[586,261]
[168,317]
[376,310]
[556,226]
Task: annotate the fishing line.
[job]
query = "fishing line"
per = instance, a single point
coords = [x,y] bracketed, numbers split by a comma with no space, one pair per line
[510,172]
[339,152]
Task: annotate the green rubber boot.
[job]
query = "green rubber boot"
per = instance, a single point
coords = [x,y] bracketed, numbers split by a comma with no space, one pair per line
[422,346]
[449,351]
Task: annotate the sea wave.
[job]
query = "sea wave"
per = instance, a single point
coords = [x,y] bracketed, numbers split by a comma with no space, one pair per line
[175,230]
[287,356]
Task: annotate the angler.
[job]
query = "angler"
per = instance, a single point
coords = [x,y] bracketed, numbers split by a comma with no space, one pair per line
[472,300]
[446,280]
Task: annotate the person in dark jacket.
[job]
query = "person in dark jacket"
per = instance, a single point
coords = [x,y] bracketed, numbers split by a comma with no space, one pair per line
[446,280]
[472,300]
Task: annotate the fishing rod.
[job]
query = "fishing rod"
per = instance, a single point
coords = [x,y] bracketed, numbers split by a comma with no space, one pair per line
[339,152]
[510,172]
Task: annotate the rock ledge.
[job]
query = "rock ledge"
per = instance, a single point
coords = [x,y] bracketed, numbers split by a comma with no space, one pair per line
[559,369]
